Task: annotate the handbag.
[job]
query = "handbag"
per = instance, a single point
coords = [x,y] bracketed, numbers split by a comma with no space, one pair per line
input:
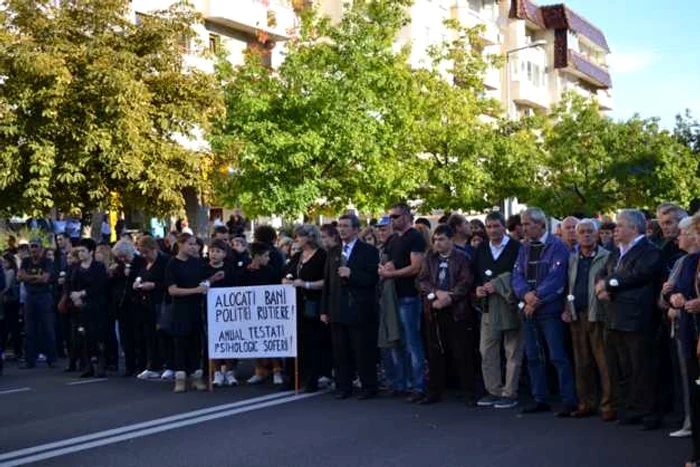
[164,318]
[312,309]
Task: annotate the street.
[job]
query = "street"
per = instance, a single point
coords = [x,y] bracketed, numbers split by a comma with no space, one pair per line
[49,418]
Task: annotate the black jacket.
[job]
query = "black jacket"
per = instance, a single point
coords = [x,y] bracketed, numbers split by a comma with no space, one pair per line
[352,300]
[633,286]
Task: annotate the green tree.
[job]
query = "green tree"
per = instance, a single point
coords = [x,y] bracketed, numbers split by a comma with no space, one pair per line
[332,126]
[594,164]
[91,105]
[453,129]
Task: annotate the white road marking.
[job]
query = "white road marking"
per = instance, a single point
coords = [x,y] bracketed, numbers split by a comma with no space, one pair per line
[138,426]
[12,391]
[87,381]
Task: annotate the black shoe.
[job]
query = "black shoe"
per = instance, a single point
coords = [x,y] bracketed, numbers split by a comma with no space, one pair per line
[342,395]
[89,373]
[70,368]
[50,364]
[26,366]
[430,399]
[127,374]
[367,395]
[470,400]
[566,411]
[397,393]
[310,389]
[537,407]
[416,397]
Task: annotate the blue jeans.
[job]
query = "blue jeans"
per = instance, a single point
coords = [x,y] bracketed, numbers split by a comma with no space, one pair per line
[549,331]
[411,359]
[40,322]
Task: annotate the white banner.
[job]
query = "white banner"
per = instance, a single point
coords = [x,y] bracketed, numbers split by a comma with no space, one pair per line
[252,322]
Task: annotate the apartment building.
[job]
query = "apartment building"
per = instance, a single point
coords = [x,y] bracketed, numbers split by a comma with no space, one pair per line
[232,26]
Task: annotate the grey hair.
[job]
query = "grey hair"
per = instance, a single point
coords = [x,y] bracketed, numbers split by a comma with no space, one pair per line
[686,223]
[671,208]
[536,215]
[310,232]
[123,247]
[592,223]
[635,218]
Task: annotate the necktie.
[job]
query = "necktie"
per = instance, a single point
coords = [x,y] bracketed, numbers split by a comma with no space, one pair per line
[346,254]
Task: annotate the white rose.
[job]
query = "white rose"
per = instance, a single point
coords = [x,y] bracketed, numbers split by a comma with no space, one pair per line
[488,273]
[570,298]
[431,296]
[521,305]
[614,283]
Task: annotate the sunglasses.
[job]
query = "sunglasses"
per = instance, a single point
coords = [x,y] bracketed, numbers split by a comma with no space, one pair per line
[395,216]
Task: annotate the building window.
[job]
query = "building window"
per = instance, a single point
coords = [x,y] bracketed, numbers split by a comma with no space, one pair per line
[214,43]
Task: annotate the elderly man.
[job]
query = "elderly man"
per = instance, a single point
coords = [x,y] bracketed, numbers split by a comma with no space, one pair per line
[587,317]
[669,215]
[629,283]
[539,281]
[568,232]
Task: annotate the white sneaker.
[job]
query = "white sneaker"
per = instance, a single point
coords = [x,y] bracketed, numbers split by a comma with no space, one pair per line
[277,378]
[356,383]
[148,374]
[682,433]
[324,382]
[41,358]
[230,379]
[218,379]
[256,379]
[168,375]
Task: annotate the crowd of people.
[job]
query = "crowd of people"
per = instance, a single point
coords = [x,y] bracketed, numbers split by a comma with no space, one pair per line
[602,313]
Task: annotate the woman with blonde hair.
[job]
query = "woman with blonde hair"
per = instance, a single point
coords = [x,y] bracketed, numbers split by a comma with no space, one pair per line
[424,230]
[369,235]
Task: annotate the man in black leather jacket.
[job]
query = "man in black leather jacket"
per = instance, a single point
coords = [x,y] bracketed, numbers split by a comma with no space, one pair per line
[630,283]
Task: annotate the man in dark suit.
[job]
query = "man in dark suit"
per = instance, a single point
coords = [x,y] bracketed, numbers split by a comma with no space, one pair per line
[630,283]
[349,305]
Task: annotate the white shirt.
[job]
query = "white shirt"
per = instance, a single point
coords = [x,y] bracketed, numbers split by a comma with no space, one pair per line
[496,250]
[347,249]
[543,238]
[625,249]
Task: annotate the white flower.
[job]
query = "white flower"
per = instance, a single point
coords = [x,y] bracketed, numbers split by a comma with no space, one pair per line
[431,296]
[240,264]
[290,277]
[488,273]
[570,298]
[614,283]
[521,305]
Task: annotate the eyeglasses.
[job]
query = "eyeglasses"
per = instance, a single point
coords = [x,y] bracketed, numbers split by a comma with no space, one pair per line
[395,216]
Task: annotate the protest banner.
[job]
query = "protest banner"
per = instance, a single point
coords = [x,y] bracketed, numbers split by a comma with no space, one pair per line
[252,322]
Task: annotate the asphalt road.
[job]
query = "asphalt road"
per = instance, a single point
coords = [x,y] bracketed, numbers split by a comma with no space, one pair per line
[48,419]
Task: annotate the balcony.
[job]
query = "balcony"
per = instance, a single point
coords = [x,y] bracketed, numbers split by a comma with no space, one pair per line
[273,17]
[470,18]
[605,100]
[582,67]
[492,78]
[525,92]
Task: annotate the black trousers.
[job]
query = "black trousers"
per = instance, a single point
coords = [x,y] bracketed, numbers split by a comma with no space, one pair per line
[111,344]
[146,348]
[354,343]
[453,341]
[166,349]
[188,352]
[11,327]
[67,333]
[629,364]
[692,364]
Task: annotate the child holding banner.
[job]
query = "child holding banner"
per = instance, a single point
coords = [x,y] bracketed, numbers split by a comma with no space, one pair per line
[259,273]
[221,273]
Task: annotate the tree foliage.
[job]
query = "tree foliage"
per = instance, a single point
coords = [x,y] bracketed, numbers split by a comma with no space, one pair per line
[328,128]
[91,105]
[593,164]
